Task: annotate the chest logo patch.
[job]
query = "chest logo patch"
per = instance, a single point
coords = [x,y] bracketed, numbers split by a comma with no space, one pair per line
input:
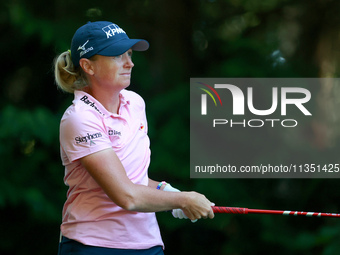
[114,132]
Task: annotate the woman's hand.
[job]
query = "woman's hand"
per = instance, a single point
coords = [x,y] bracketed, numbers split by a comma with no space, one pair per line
[178,213]
[197,206]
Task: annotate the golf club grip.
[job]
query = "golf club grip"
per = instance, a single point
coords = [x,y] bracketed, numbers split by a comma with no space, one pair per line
[232,210]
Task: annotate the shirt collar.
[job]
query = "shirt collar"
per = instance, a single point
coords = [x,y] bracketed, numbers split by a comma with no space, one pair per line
[123,99]
[89,101]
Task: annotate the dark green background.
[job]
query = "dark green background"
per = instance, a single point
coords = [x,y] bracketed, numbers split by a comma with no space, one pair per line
[216,38]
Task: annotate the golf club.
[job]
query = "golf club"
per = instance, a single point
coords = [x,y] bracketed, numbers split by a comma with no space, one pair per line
[241,210]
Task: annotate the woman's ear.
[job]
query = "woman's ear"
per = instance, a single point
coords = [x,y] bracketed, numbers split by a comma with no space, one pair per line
[87,66]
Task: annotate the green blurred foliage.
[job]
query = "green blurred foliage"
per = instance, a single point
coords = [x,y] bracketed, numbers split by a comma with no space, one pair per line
[194,38]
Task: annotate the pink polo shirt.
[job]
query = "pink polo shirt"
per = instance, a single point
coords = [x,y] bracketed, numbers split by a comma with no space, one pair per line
[89,215]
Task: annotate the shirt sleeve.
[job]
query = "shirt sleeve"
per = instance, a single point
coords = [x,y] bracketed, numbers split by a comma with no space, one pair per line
[82,133]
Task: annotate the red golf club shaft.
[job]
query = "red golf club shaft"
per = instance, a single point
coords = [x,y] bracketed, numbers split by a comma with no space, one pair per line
[241,210]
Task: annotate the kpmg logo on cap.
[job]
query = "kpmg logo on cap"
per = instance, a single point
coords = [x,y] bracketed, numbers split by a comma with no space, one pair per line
[112,29]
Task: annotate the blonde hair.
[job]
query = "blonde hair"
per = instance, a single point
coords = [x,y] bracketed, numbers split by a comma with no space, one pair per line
[67,77]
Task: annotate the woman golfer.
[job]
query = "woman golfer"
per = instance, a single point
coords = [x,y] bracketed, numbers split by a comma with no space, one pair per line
[105,150]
